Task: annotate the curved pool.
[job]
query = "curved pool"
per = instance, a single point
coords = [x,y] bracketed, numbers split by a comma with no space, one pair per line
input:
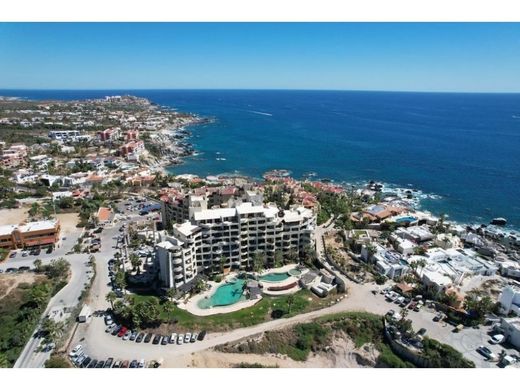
[274,277]
[225,295]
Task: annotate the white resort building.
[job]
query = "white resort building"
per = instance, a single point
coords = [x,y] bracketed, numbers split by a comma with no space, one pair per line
[234,234]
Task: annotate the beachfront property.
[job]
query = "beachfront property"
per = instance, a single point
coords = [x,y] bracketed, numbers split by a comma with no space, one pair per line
[30,234]
[387,262]
[132,150]
[450,267]
[233,233]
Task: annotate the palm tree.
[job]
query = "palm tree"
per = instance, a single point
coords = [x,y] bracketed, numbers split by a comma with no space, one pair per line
[53,329]
[290,301]
[222,263]
[111,297]
[170,293]
[421,263]
[136,262]
[37,264]
[4,363]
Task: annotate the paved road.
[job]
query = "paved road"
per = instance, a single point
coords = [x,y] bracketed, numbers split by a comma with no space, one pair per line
[101,345]
[67,297]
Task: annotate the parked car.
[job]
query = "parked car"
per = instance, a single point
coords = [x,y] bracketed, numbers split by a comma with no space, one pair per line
[116,330]
[117,364]
[148,337]
[108,319]
[133,364]
[202,335]
[80,359]
[180,339]
[497,339]
[100,364]
[421,332]
[156,339]
[438,317]
[108,363]
[93,364]
[133,336]
[139,338]
[127,335]
[85,363]
[122,331]
[165,340]
[173,338]
[76,350]
[194,337]
[187,337]
[125,364]
[12,255]
[486,352]
[110,328]
[141,363]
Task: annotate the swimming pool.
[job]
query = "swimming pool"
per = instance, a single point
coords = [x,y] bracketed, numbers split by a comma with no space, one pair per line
[407,219]
[274,277]
[225,295]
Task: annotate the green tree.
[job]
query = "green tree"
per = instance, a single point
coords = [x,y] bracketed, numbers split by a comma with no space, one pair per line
[120,280]
[38,265]
[53,330]
[290,302]
[171,293]
[278,258]
[258,262]
[111,297]
[136,262]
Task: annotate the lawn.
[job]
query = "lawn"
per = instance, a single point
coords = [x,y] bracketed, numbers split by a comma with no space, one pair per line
[268,308]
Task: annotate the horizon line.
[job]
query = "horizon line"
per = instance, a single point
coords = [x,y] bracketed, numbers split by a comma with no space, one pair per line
[257,89]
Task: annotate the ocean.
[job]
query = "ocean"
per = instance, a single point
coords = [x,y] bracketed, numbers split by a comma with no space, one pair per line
[461,150]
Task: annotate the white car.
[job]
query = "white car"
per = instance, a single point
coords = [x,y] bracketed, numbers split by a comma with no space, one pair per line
[173,338]
[108,319]
[127,335]
[180,339]
[497,339]
[76,350]
[141,363]
[187,337]
[194,337]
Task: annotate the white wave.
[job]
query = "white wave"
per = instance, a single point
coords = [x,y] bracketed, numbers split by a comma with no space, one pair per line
[260,113]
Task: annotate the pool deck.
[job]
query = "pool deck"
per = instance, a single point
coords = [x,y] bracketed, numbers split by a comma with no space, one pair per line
[289,280]
[279,270]
[192,304]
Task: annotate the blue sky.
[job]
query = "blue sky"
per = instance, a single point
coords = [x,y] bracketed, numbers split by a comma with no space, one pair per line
[461,57]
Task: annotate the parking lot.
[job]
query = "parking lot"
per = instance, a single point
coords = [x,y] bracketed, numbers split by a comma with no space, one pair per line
[467,340]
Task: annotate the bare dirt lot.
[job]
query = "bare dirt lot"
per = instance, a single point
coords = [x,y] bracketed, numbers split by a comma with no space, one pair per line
[10,282]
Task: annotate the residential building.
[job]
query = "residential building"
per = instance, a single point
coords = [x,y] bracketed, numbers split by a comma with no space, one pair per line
[132,150]
[511,329]
[510,300]
[109,134]
[233,233]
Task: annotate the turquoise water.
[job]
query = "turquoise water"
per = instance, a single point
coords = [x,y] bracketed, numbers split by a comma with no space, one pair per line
[225,295]
[274,277]
[405,219]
